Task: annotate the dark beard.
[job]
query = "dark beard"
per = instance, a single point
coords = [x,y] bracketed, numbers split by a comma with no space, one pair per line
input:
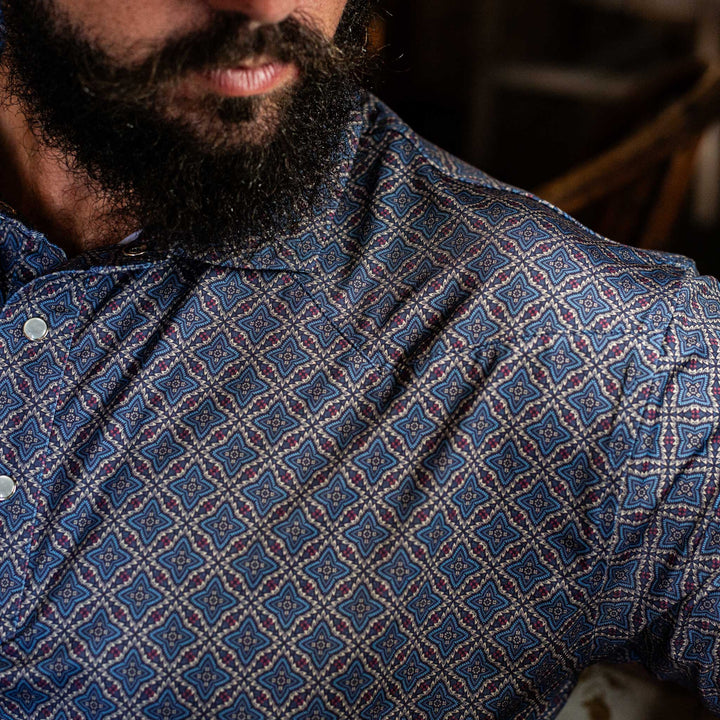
[228,173]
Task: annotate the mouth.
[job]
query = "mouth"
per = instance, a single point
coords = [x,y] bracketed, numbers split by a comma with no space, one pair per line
[248,79]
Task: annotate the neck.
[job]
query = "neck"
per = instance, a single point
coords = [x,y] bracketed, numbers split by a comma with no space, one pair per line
[39,184]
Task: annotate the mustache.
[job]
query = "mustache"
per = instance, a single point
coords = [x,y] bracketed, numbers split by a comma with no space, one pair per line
[227,42]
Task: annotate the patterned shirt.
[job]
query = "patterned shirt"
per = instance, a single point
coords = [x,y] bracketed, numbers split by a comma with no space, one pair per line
[424,459]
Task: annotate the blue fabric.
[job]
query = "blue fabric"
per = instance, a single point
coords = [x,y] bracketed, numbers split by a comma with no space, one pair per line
[427,458]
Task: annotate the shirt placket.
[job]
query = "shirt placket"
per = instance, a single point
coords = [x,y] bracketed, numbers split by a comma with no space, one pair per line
[36,329]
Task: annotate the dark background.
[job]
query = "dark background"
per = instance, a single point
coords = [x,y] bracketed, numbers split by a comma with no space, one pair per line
[529,89]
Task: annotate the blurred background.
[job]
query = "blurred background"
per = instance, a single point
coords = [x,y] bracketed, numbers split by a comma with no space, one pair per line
[608,108]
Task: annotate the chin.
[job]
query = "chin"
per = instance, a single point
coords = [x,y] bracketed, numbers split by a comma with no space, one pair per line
[229,124]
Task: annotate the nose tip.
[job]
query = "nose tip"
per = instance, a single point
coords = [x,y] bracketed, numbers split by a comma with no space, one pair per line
[263,12]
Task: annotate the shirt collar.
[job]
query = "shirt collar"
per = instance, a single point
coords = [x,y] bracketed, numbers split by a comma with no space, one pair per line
[26,253]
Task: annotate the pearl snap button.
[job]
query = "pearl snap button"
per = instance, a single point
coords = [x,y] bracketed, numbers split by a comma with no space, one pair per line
[7,487]
[135,250]
[35,329]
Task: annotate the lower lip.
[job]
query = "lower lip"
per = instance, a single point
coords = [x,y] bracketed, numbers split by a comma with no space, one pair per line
[248,81]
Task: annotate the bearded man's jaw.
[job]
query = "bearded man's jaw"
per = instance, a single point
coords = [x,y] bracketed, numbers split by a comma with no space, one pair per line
[244,155]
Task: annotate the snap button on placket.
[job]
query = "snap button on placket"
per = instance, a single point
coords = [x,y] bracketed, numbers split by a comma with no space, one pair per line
[35,329]
[7,487]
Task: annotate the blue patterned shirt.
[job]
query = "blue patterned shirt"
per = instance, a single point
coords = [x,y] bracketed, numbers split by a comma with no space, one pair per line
[424,459]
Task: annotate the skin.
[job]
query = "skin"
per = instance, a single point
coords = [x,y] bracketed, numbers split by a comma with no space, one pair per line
[36,180]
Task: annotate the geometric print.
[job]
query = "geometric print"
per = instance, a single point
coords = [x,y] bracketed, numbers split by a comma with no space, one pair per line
[424,459]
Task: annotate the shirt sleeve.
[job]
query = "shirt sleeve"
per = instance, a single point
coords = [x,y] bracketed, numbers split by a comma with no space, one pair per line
[662,587]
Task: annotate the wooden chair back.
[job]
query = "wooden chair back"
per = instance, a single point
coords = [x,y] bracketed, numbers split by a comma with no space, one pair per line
[634,192]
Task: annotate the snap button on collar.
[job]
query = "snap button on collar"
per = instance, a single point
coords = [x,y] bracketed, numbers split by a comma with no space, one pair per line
[135,250]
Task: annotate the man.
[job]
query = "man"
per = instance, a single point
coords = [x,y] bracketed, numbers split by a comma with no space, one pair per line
[303,418]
